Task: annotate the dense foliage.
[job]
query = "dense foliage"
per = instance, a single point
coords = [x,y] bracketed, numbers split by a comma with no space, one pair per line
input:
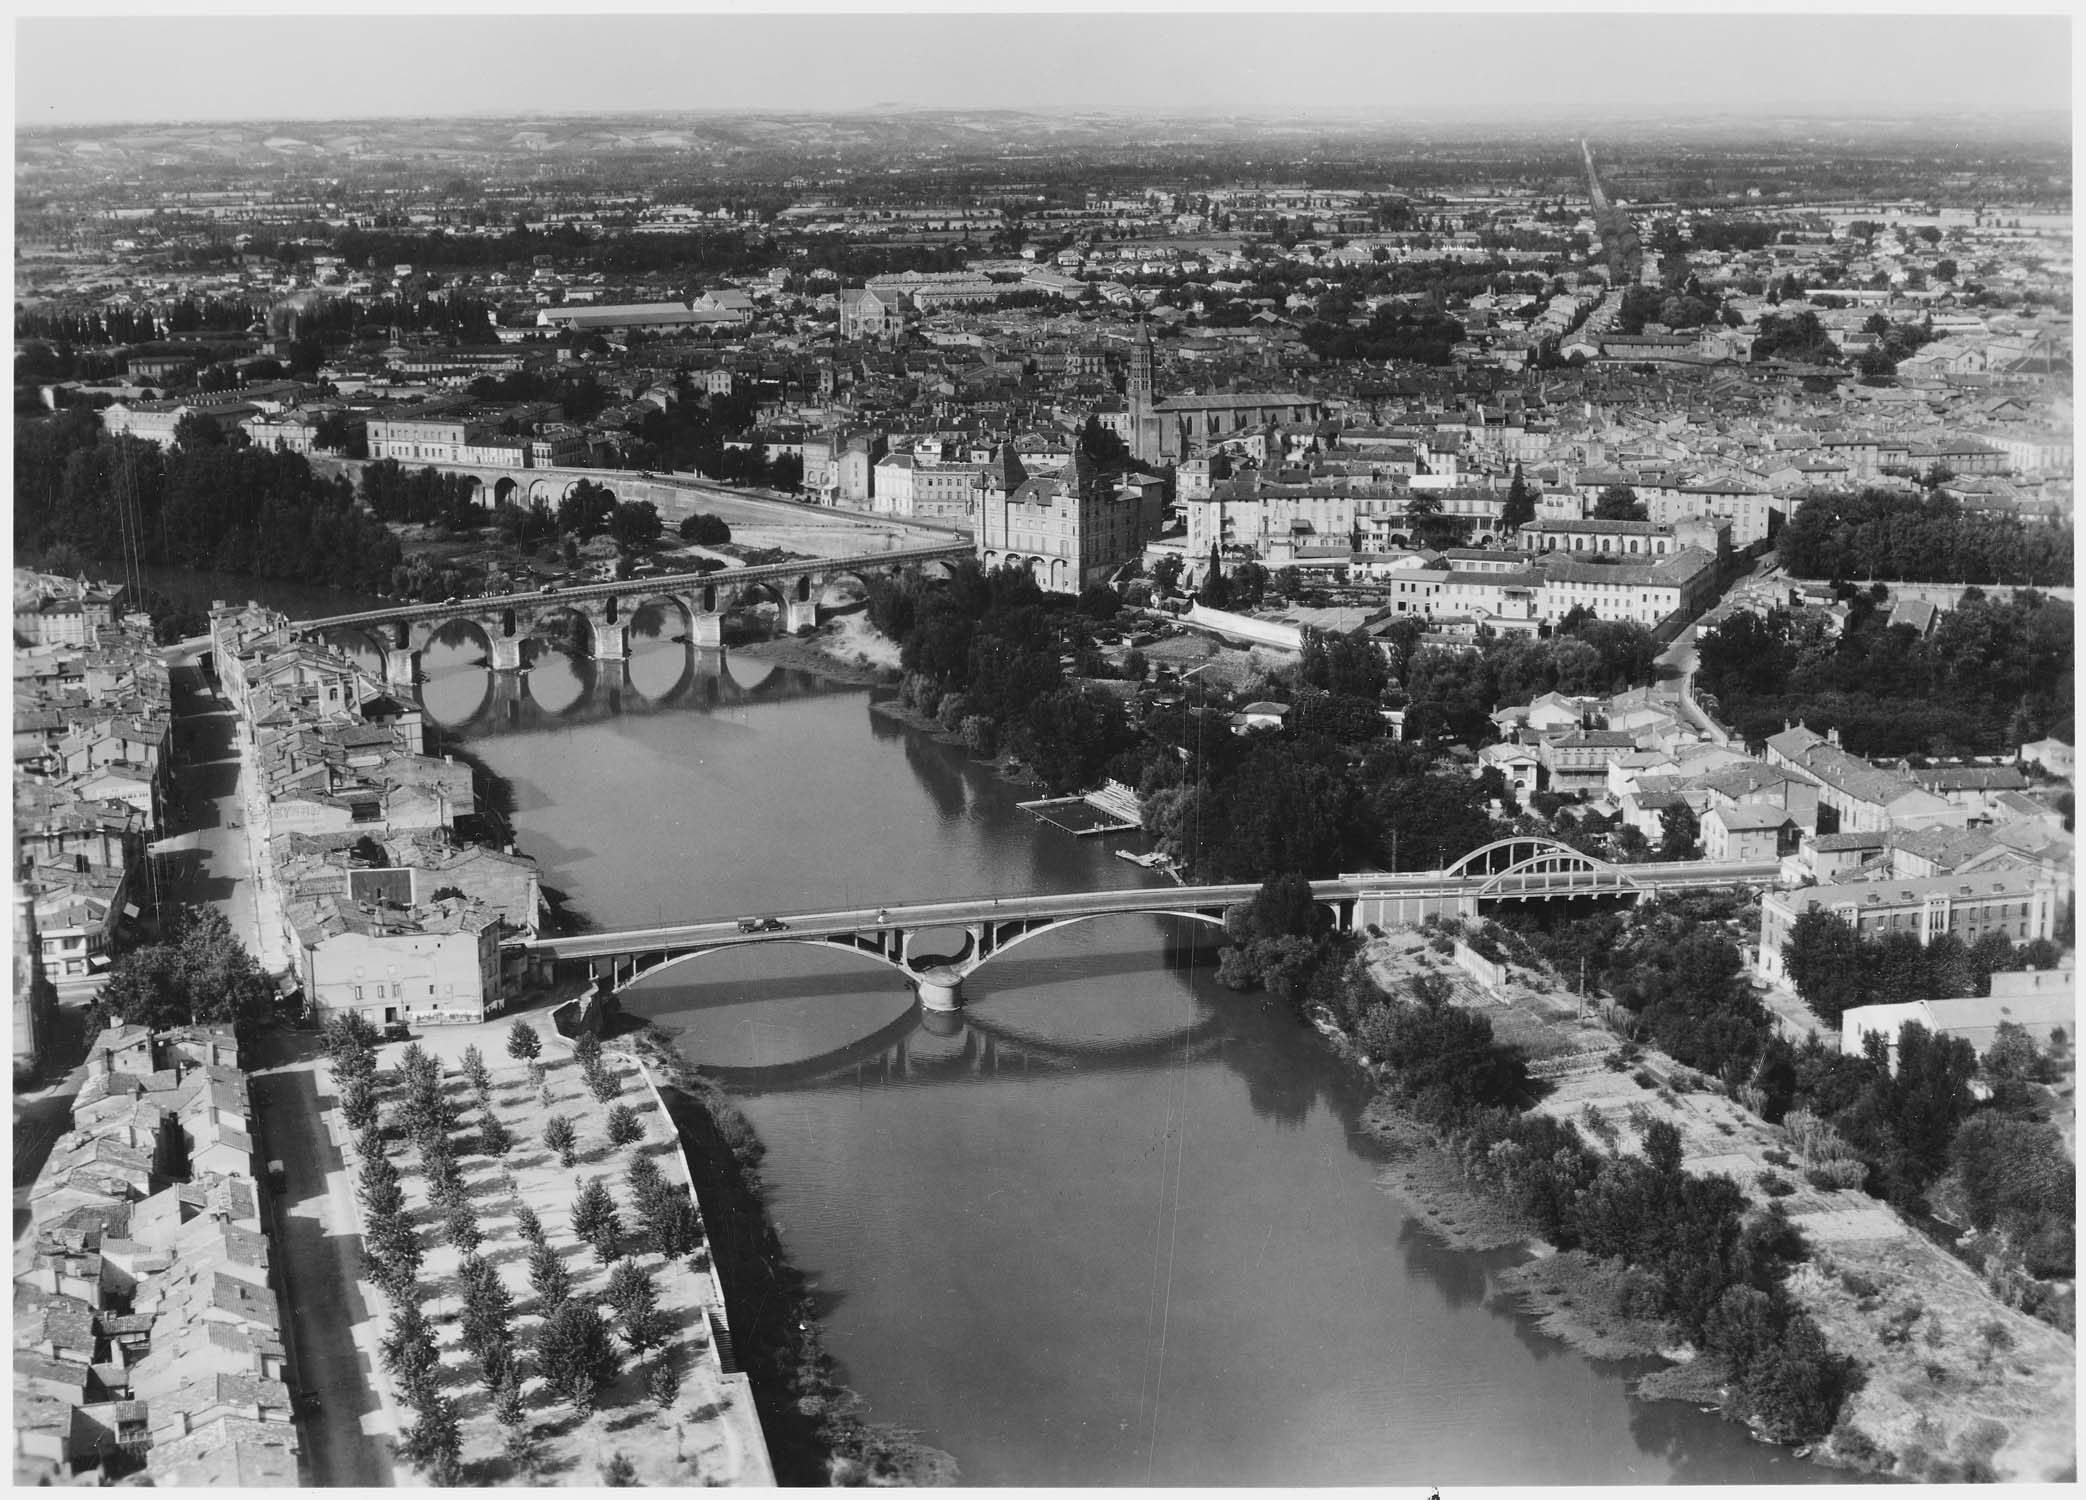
[201,973]
[199,504]
[1698,1255]
[1835,968]
[1994,674]
[1888,534]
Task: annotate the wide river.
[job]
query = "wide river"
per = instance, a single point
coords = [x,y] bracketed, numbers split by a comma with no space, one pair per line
[1113,1225]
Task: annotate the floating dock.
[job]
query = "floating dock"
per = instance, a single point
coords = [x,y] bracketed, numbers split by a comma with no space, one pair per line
[1110,808]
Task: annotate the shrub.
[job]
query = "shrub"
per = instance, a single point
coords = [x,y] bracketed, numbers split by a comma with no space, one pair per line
[1775,1187]
[618,1472]
[1837,1174]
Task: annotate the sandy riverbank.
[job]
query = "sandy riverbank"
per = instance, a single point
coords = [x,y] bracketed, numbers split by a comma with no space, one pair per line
[1586,1304]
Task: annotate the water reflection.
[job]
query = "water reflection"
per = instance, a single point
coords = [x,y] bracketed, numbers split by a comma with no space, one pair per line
[559,688]
[1062,1239]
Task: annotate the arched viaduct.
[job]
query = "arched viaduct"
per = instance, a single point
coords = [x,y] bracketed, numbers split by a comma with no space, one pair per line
[595,617]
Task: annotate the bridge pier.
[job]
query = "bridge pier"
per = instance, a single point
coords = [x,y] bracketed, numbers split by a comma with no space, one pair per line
[941,990]
[800,615]
[401,667]
[706,630]
[611,641]
[510,653]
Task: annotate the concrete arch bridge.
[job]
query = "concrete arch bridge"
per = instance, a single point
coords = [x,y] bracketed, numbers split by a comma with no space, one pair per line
[600,613]
[914,939]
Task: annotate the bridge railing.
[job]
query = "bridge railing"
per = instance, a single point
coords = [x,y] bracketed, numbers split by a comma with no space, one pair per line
[628,587]
[725,930]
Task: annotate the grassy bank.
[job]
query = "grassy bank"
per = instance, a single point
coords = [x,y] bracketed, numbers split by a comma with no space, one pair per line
[818,1430]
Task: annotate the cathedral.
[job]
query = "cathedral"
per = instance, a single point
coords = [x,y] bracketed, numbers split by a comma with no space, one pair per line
[1166,429]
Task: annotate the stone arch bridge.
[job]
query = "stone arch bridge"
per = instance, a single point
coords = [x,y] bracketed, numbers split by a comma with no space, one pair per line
[602,611]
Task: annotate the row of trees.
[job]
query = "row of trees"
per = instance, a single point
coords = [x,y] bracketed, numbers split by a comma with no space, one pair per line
[1920,539]
[984,654]
[577,1352]
[1694,1252]
[199,504]
[1837,969]
[1995,672]
[1898,1119]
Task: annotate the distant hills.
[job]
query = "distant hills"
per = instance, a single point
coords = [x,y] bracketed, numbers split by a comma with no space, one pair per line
[720,137]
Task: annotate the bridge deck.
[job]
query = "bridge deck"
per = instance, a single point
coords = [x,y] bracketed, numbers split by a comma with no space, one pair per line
[912,917]
[628,588]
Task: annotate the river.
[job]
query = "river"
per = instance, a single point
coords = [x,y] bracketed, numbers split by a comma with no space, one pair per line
[1112,1225]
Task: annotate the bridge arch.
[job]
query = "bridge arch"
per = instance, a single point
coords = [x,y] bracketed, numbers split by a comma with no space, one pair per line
[457,629]
[833,594]
[375,641]
[544,494]
[504,488]
[1549,863]
[832,944]
[1501,855]
[555,624]
[1052,924]
[670,607]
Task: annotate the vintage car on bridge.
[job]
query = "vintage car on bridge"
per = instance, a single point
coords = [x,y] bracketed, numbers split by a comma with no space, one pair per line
[762,924]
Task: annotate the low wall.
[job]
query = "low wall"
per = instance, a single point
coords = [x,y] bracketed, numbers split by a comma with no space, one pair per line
[1949,595]
[1493,976]
[1246,628]
[740,1417]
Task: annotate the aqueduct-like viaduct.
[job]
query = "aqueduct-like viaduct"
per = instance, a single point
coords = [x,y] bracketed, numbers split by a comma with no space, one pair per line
[604,610]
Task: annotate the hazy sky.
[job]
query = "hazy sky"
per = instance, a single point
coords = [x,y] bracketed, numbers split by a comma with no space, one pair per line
[75,69]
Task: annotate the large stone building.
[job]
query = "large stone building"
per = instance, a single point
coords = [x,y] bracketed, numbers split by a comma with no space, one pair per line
[866,313]
[1860,797]
[1167,429]
[2021,904]
[1069,529]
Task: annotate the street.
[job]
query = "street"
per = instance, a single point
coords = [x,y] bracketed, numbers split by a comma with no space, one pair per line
[209,857]
[332,1331]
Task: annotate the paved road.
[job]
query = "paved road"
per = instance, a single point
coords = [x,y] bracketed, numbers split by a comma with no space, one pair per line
[868,920]
[318,1252]
[208,858]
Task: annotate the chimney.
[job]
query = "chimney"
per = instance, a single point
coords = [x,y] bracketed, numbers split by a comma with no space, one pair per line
[1832,738]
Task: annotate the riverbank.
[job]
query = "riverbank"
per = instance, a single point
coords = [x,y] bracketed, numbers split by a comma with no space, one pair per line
[818,1429]
[1585,1304]
[1010,770]
[824,655]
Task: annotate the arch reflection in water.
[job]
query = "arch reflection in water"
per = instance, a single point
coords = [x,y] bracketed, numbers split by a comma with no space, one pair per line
[561,690]
[713,1023]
